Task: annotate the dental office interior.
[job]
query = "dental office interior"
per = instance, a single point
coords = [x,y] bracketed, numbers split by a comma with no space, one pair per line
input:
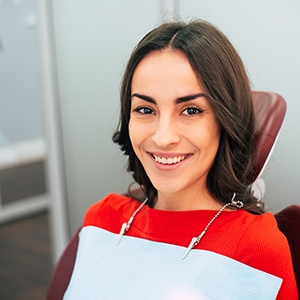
[61,64]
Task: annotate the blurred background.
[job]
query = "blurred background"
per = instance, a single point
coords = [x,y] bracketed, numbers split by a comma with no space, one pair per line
[61,64]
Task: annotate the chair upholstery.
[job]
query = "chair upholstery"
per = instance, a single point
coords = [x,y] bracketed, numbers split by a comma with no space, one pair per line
[270,109]
[63,270]
[288,220]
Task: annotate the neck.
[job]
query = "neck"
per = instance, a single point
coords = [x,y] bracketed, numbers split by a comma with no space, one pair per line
[175,202]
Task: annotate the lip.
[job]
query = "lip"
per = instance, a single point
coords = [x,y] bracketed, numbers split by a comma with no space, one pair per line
[179,159]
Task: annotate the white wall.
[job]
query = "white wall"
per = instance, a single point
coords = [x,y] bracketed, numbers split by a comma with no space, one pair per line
[267,36]
[21,116]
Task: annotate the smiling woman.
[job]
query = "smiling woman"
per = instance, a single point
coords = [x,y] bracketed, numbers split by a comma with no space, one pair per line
[209,65]
[173,130]
[187,126]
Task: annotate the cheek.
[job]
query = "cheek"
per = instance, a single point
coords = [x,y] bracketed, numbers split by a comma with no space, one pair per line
[214,141]
[135,135]
[205,136]
[213,133]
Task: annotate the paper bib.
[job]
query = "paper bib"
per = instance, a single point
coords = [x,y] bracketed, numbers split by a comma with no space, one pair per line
[141,269]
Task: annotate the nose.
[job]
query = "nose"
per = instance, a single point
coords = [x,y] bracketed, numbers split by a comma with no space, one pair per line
[166,132]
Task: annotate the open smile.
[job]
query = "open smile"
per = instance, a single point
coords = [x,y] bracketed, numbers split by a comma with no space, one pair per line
[170,160]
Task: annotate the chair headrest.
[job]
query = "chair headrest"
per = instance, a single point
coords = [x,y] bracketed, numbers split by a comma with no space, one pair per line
[269,110]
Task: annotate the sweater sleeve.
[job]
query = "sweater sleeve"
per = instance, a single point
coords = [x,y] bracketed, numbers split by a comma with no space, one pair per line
[264,247]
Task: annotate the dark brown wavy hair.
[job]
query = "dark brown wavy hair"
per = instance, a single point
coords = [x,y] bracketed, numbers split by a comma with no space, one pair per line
[222,75]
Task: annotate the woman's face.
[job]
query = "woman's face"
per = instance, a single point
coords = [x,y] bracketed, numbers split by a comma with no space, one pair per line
[172,128]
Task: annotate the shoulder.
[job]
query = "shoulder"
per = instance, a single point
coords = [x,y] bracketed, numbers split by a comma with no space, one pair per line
[254,236]
[264,233]
[262,236]
[109,211]
[100,208]
[266,222]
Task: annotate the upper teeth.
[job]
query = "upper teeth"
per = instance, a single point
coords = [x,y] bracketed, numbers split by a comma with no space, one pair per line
[169,160]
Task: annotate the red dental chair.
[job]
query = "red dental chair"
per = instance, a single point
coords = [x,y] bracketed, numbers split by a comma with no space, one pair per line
[270,109]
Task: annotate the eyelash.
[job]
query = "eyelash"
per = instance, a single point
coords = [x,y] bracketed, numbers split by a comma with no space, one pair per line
[142,110]
[196,110]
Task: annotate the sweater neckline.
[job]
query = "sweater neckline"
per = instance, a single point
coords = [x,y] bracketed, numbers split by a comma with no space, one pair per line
[158,223]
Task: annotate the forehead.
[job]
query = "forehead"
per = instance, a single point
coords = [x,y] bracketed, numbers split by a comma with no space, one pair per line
[164,56]
[167,69]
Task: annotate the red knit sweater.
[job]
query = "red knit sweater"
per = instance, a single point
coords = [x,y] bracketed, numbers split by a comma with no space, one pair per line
[250,239]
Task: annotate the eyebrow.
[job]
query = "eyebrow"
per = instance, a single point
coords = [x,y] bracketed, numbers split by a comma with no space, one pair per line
[177,101]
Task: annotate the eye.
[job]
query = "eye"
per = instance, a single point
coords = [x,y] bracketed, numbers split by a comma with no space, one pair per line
[144,110]
[192,111]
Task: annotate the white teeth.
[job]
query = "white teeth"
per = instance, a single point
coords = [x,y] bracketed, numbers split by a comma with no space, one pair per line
[169,160]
